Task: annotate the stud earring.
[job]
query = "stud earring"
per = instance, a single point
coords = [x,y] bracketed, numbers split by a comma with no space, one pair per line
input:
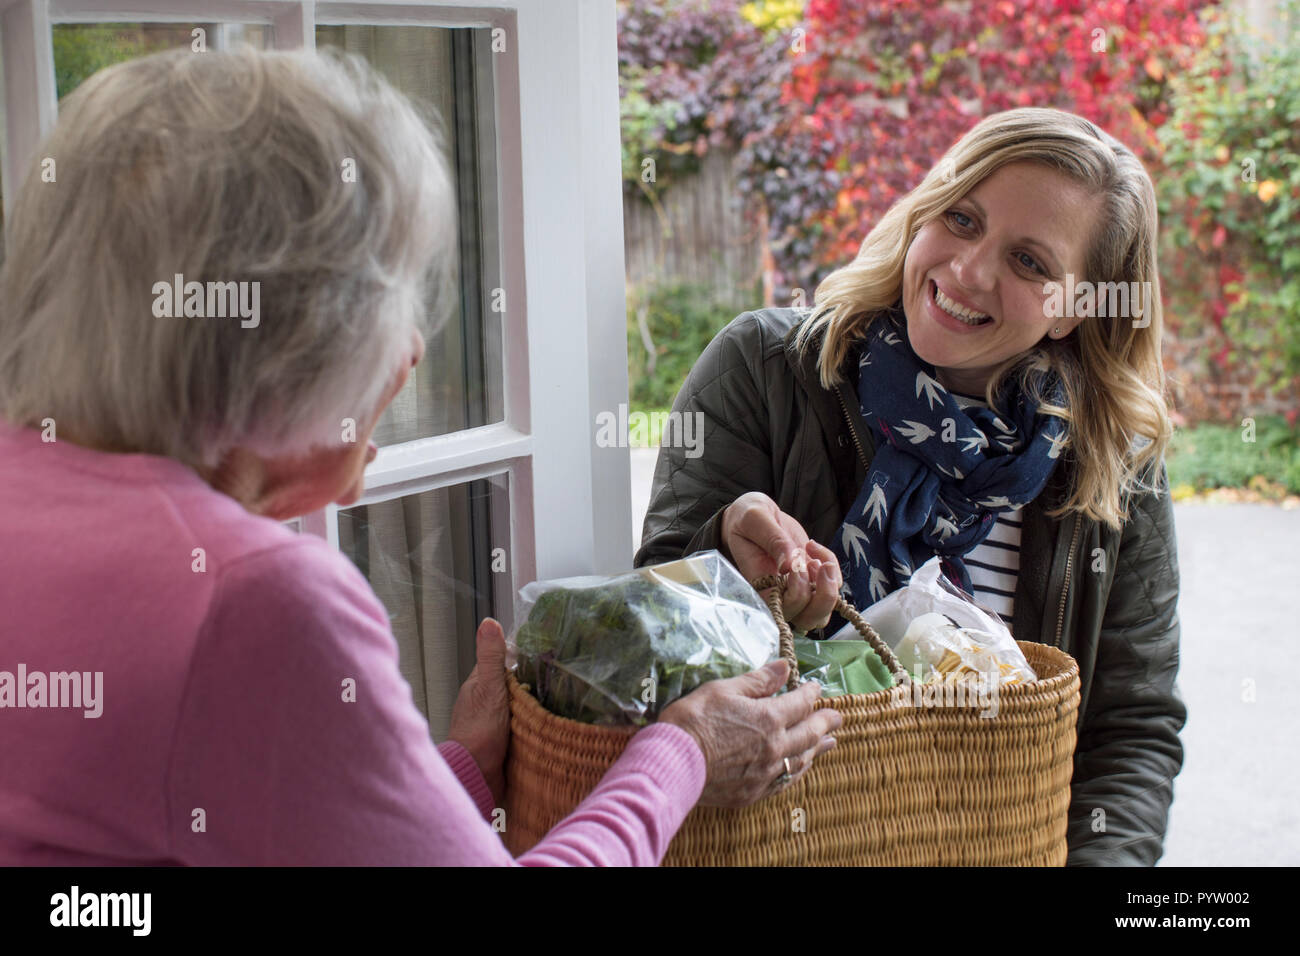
[1057,330]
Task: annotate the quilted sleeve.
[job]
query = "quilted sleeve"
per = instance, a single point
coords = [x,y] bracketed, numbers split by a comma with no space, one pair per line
[1129,751]
[725,393]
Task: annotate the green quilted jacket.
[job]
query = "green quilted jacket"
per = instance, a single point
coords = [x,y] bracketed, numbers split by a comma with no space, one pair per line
[1107,598]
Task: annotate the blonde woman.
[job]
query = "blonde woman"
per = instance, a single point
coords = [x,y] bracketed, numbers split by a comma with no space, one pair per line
[977,385]
[237,695]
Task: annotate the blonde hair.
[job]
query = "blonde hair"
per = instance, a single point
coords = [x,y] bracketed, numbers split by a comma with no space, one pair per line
[222,167]
[1114,384]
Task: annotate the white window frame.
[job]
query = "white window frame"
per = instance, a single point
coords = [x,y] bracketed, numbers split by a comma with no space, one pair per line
[561,226]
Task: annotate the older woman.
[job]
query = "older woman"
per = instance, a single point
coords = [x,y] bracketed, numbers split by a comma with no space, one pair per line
[197,316]
[977,385]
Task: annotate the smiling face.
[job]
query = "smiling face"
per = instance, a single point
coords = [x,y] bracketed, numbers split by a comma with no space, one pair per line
[988,256]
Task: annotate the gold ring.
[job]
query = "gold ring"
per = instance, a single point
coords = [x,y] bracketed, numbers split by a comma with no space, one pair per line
[783,781]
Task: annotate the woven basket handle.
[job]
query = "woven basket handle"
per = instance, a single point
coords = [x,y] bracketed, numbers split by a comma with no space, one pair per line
[777,582]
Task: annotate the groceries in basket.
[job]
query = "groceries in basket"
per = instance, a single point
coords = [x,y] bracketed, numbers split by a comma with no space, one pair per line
[937,650]
[619,649]
[940,635]
[842,667]
[904,785]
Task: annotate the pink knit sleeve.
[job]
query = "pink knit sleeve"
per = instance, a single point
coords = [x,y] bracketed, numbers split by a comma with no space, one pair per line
[635,810]
[298,743]
[469,776]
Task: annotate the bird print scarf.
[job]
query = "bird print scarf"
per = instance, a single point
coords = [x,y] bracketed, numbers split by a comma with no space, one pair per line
[941,473]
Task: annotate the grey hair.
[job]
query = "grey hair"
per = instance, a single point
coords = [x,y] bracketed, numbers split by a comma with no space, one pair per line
[223,167]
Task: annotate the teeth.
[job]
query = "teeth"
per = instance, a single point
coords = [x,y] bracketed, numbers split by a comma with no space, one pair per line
[955,310]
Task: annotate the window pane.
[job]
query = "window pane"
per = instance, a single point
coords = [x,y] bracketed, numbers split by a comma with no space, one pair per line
[430,559]
[81,49]
[447,71]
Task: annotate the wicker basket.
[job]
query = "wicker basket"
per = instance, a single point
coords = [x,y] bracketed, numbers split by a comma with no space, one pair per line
[905,785]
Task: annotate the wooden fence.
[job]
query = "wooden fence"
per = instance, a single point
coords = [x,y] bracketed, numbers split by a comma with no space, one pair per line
[703,231]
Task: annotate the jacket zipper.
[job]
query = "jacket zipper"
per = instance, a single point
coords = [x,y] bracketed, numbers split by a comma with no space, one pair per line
[853,432]
[865,464]
[1069,566]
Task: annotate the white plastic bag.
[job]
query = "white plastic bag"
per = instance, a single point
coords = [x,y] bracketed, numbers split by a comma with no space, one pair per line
[935,650]
[929,618]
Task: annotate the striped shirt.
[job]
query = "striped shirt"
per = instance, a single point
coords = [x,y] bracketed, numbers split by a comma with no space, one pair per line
[994,563]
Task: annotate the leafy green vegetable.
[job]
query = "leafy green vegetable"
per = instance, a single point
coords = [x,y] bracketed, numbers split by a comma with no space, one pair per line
[621,650]
[843,667]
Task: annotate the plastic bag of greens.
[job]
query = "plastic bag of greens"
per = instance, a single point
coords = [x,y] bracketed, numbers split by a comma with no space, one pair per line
[617,650]
[842,666]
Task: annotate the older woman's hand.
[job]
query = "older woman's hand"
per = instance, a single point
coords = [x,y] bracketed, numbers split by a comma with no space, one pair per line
[764,540]
[746,734]
[480,719]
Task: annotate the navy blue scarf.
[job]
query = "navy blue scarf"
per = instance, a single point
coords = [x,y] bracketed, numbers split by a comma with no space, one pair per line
[941,474]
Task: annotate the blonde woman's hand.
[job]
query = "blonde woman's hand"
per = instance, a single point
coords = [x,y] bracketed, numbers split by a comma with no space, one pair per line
[764,540]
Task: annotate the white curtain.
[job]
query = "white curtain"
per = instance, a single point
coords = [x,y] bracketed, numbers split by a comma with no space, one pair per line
[410,552]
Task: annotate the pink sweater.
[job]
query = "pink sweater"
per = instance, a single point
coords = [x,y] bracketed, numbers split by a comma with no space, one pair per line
[220,732]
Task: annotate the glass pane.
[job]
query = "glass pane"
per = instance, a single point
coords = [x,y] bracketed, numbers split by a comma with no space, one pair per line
[439,561]
[448,72]
[81,49]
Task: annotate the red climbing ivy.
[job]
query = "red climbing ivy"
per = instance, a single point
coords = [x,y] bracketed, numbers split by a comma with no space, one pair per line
[894,83]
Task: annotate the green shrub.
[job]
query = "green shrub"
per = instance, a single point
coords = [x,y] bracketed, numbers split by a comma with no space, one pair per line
[1230,198]
[682,319]
[81,49]
[1218,456]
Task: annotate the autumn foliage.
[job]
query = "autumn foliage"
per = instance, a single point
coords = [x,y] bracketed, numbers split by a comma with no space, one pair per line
[837,112]
[895,82]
